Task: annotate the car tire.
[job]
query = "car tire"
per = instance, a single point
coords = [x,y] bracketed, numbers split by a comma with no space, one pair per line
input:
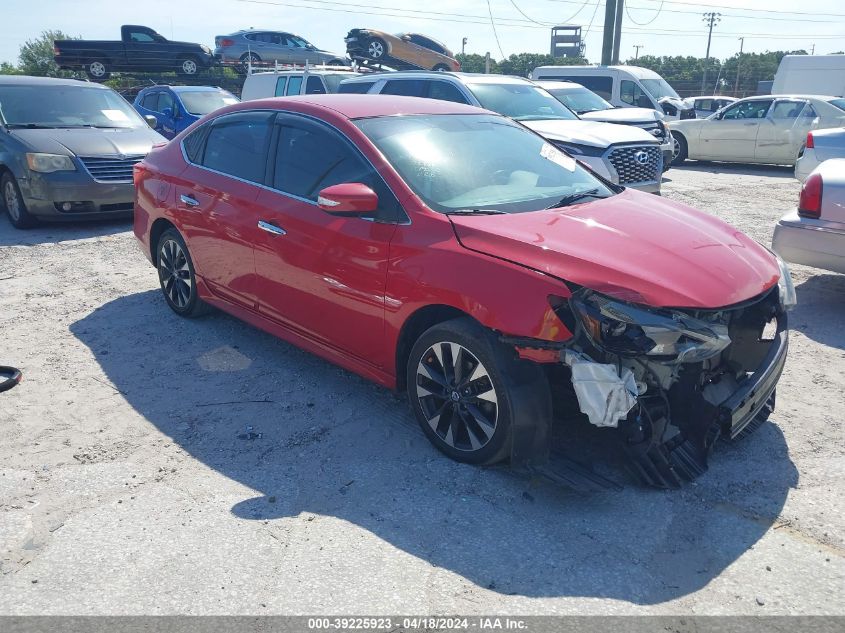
[336,62]
[462,387]
[97,70]
[177,277]
[13,203]
[188,67]
[680,149]
[441,68]
[246,58]
[376,48]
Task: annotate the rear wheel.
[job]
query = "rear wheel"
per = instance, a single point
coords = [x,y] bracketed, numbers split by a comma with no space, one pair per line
[247,59]
[97,70]
[376,48]
[176,276]
[441,68]
[679,149]
[14,204]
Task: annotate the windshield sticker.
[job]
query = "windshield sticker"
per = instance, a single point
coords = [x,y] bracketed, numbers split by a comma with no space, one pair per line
[552,153]
[115,115]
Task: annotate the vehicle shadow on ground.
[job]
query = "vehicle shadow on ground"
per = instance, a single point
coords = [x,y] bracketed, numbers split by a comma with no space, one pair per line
[330,443]
[820,309]
[772,171]
[52,232]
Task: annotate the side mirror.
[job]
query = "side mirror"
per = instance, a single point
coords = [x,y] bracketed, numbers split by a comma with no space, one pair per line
[151,120]
[168,113]
[348,200]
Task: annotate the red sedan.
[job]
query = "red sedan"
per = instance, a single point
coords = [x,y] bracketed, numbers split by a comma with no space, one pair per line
[450,252]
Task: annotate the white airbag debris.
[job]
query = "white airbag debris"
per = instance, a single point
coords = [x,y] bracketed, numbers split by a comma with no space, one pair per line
[604,395]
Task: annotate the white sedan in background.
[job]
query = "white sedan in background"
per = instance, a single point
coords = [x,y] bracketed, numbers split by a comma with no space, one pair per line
[767,130]
[814,234]
[821,145]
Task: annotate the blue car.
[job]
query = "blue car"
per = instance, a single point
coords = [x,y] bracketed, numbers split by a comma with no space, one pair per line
[176,107]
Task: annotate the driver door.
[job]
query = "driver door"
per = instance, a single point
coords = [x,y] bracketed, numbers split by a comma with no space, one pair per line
[733,135]
[320,275]
[784,131]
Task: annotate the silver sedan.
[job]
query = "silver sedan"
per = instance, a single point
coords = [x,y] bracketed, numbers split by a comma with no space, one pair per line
[255,46]
[814,233]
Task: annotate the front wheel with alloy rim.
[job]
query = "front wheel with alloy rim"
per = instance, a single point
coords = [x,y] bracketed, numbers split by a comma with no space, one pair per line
[188,66]
[14,204]
[679,149]
[176,275]
[465,389]
[376,48]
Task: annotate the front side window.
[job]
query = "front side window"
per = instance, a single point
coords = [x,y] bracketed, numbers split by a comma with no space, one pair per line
[150,101]
[237,145]
[478,161]
[631,93]
[311,157]
[314,86]
[520,101]
[141,37]
[165,100]
[66,106]
[747,110]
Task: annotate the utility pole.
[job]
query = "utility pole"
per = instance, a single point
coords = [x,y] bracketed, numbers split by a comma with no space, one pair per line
[617,30]
[813,50]
[738,62]
[711,18]
[607,37]
[464,46]
[637,54]
[487,63]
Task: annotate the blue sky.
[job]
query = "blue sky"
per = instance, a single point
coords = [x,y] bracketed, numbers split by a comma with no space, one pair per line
[521,25]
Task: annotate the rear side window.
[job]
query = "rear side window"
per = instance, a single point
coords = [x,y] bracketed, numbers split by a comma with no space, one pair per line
[314,86]
[294,86]
[445,91]
[194,143]
[311,157]
[704,104]
[602,86]
[787,109]
[358,87]
[404,87]
[237,145]
[280,86]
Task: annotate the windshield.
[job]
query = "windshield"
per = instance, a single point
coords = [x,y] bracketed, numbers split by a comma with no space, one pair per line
[200,102]
[523,102]
[658,88]
[839,103]
[580,100]
[66,106]
[333,80]
[478,161]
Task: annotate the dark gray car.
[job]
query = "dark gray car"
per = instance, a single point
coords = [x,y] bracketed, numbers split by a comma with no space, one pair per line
[67,149]
[272,46]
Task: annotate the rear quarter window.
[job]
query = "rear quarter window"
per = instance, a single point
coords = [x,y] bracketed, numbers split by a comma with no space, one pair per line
[356,88]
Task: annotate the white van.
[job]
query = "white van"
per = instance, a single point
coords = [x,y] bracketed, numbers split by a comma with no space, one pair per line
[622,86]
[810,75]
[313,80]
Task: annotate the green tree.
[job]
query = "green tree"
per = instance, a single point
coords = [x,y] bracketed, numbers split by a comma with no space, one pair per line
[36,56]
[475,63]
[9,69]
[522,64]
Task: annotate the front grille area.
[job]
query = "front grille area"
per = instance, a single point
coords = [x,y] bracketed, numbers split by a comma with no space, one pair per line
[110,168]
[632,168]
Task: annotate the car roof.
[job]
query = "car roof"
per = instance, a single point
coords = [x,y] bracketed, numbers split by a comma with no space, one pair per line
[245,31]
[636,71]
[467,78]
[26,80]
[357,106]
[791,96]
[556,84]
[340,70]
[178,89]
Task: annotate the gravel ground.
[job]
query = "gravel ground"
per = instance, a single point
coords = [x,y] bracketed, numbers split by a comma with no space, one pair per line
[150,465]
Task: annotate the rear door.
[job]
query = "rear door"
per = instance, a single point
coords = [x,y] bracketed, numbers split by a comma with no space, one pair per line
[733,136]
[216,200]
[784,130]
[321,275]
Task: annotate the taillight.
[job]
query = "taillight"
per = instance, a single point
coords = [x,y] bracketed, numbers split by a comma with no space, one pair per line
[810,202]
[226,42]
[810,142]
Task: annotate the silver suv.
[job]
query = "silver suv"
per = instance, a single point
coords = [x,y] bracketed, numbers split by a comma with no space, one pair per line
[624,155]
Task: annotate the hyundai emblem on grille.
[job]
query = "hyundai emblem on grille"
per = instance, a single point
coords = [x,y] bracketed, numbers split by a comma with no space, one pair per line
[641,157]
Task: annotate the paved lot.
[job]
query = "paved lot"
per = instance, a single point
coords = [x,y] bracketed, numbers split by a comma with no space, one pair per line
[129,484]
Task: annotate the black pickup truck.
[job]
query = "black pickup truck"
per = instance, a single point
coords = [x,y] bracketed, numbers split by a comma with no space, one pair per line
[140,49]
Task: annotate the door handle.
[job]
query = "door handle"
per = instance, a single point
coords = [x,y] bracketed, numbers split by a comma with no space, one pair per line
[189,200]
[271,228]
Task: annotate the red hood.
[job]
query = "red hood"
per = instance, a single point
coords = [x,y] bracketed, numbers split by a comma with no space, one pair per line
[635,246]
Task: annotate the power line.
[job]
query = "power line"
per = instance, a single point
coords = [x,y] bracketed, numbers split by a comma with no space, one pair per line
[574,15]
[656,15]
[723,6]
[495,34]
